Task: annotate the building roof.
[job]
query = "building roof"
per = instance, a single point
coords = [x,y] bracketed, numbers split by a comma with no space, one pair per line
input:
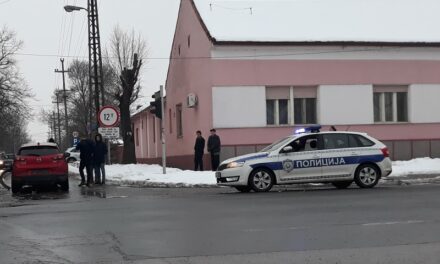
[321,21]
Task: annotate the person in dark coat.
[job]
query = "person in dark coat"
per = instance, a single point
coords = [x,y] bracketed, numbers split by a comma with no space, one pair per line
[99,159]
[86,148]
[214,148]
[199,150]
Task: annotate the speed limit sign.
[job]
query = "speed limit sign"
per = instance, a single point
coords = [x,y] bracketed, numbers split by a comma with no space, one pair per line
[108,116]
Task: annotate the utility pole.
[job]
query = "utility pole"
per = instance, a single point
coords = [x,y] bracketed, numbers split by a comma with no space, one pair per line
[54,126]
[96,85]
[95,57]
[58,114]
[66,121]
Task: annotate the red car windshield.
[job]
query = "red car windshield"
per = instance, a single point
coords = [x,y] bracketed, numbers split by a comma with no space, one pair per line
[38,151]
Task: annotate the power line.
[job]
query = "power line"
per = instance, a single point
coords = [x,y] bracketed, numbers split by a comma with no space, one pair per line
[80,38]
[71,29]
[223,57]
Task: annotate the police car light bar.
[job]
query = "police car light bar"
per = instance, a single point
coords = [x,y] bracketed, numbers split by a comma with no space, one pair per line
[311,129]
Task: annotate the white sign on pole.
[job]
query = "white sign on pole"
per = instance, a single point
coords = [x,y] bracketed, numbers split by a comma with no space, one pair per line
[109,132]
[108,116]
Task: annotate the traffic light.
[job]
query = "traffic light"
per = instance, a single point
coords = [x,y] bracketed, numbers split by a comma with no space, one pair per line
[156,105]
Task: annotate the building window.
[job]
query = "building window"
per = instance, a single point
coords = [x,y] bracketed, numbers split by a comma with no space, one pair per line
[277,111]
[278,105]
[390,106]
[291,105]
[137,136]
[179,50]
[179,125]
[305,110]
[189,41]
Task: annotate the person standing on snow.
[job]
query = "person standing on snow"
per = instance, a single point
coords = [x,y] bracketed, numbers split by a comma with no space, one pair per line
[99,159]
[214,148]
[199,150]
[86,149]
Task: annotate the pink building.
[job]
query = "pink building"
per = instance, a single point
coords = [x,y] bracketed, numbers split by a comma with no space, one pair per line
[259,70]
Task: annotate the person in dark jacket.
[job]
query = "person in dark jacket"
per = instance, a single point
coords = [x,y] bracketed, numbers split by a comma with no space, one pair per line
[86,148]
[214,148]
[199,150]
[99,159]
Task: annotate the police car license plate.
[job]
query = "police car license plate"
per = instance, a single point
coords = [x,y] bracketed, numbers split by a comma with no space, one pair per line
[218,175]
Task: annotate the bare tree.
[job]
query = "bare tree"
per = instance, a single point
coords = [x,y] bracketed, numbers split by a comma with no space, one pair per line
[13,94]
[125,56]
[13,89]
[81,100]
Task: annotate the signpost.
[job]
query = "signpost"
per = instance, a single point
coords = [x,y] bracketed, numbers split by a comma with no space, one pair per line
[109,125]
[108,116]
[109,132]
[75,135]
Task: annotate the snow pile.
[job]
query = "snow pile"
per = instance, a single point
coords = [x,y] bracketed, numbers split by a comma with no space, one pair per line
[151,175]
[418,166]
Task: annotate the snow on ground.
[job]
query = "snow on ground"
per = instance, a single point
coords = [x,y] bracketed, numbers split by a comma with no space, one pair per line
[151,175]
[418,166]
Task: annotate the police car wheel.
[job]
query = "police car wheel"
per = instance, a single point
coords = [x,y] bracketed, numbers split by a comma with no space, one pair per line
[243,189]
[367,176]
[70,160]
[342,184]
[261,180]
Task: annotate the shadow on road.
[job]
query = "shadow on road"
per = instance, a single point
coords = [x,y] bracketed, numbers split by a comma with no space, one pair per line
[307,188]
[41,193]
[96,191]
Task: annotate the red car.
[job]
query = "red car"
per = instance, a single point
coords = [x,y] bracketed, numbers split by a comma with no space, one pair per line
[39,164]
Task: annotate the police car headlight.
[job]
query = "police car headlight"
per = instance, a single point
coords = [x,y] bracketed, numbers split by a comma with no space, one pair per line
[234,164]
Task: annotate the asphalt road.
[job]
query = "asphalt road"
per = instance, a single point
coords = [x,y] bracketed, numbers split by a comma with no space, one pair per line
[388,224]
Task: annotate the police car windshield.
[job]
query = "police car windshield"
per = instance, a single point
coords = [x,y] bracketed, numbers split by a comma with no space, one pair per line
[278,144]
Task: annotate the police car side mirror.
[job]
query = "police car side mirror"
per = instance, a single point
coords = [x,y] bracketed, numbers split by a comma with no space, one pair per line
[287,149]
[66,154]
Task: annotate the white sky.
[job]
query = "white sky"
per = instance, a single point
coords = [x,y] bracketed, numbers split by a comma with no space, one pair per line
[47,29]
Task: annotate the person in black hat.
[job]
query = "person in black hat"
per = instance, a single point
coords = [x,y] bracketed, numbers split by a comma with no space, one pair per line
[99,155]
[214,148]
[86,149]
[199,150]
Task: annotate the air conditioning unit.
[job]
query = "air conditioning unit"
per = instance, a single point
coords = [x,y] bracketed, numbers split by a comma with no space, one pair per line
[191,100]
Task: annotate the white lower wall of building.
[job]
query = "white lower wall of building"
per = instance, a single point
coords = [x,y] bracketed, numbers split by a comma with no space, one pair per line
[423,103]
[239,106]
[345,104]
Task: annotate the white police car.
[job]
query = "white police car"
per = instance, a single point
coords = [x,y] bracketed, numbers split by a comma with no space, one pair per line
[310,156]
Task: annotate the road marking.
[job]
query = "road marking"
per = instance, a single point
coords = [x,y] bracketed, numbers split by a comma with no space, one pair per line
[395,223]
[115,197]
[254,230]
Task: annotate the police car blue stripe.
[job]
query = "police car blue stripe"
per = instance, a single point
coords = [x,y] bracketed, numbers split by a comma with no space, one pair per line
[323,162]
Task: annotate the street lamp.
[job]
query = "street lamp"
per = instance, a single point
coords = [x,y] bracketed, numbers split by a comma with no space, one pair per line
[95,57]
[71,8]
